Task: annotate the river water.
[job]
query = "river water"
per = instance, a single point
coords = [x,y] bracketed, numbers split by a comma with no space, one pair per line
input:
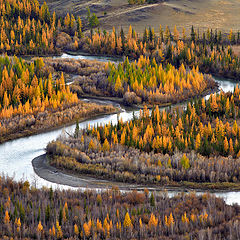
[16,156]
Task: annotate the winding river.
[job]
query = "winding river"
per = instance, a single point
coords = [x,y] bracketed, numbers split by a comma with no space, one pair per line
[16,155]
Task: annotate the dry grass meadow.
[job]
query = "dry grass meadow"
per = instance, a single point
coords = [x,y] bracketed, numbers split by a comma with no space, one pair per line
[203,14]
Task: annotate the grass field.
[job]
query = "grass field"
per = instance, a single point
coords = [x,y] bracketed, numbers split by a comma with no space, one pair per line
[221,14]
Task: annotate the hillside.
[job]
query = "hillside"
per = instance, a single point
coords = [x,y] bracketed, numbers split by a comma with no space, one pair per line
[221,14]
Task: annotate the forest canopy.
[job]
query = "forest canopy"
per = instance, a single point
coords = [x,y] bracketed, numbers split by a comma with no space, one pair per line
[29,213]
[24,89]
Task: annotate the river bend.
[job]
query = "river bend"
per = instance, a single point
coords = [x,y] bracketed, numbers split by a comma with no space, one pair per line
[16,156]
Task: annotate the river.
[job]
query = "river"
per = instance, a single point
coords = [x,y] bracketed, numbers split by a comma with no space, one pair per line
[16,156]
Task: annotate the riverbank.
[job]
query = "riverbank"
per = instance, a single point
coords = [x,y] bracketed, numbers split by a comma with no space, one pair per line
[207,92]
[120,101]
[66,117]
[132,106]
[44,170]
[100,57]
[118,58]
[52,174]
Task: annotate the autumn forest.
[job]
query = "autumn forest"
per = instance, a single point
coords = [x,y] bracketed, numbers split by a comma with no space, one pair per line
[182,130]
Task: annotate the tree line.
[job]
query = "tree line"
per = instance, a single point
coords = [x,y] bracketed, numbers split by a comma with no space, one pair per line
[28,28]
[132,2]
[24,89]
[210,51]
[33,98]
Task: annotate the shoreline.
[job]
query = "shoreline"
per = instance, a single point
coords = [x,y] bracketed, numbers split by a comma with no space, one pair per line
[44,170]
[52,174]
[32,132]
[120,101]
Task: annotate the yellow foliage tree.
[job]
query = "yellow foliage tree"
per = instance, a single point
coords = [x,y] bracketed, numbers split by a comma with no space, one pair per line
[198,142]
[39,228]
[127,221]
[6,218]
[185,219]
[86,230]
[59,230]
[106,146]
[225,145]
[118,85]
[153,221]
[76,230]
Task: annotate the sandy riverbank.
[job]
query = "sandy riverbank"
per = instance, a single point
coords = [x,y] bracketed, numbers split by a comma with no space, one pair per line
[44,170]
[52,174]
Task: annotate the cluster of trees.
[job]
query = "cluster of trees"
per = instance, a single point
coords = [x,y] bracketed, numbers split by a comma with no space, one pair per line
[136,82]
[29,213]
[146,149]
[25,90]
[91,76]
[208,127]
[79,67]
[28,28]
[210,51]
[155,84]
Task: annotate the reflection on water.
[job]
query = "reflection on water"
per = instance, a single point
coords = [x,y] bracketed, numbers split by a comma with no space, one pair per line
[16,155]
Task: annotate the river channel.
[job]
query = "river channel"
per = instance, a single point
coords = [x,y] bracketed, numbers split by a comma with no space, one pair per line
[16,156]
